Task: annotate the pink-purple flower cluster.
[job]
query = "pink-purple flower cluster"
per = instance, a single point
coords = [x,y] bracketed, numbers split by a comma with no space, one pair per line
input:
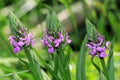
[18,42]
[98,48]
[52,43]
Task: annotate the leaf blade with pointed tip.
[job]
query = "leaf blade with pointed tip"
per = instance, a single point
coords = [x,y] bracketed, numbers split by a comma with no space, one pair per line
[15,23]
[80,69]
[110,62]
[91,30]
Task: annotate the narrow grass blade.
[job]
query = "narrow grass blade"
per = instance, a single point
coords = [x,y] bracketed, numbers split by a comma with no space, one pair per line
[110,63]
[51,71]
[16,77]
[80,69]
[10,74]
[96,66]
[66,64]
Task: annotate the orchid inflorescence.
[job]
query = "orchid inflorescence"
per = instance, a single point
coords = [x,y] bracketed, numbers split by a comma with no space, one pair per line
[98,47]
[19,41]
[53,42]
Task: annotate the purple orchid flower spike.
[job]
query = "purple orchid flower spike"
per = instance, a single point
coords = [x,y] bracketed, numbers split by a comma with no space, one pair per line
[53,42]
[98,48]
[19,42]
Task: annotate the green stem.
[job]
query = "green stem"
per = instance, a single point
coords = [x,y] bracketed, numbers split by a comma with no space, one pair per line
[96,66]
[104,69]
[34,66]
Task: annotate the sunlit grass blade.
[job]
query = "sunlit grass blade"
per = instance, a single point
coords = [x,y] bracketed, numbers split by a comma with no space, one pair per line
[96,66]
[80,69]
[16,77]
[101,73]
[110,63]
[102,76]
[10,74]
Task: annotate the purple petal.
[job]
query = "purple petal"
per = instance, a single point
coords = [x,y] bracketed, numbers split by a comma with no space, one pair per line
[101,39]
[69,41]
[45,42]
[51,50]
[103,55]
[50,38]
[15,44]
[27,41]
[67,36]
[32,43]
[61,36]
[101,49]
[30,35]
[107,44]
[20,43]
[93,52]
[89,46]
[11,39]
[93,44]
[22,39]
[49,45]
[25,34]
[17,49]
[57,41]
[57,45]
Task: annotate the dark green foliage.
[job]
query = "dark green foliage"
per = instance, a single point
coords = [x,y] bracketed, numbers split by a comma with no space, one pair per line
[80,68]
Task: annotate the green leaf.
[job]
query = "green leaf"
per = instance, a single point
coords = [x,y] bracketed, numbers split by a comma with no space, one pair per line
[104,67]
[66,64]
[35,66]
[54,75]
[61,68]
[80,69]
[56,65]
[110,63]
[91,30]
[102,76]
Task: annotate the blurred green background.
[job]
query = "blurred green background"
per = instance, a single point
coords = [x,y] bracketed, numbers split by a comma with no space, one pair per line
[104,14]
